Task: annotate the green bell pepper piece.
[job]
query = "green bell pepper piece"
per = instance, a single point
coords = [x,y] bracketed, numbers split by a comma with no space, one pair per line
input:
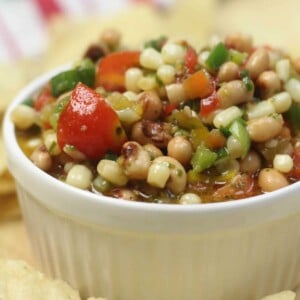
[218,55]
[239,131]
[67,80]
[293,116]
[202,159]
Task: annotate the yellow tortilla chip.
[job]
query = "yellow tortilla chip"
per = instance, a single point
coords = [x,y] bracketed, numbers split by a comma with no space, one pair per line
[137,24]
[19,281]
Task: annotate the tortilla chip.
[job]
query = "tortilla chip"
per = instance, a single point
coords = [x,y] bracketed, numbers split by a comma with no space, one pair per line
[137,24]
[19,281]
[284,295]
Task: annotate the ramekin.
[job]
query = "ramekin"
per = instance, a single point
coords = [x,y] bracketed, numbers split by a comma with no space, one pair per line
[125,250]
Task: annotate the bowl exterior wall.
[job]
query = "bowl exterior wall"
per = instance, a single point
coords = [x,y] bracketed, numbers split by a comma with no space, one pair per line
[245,263]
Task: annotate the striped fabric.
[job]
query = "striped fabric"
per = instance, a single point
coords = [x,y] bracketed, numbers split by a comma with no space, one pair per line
[23,23]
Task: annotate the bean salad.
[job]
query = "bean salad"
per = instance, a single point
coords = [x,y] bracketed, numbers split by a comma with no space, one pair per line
[170,122]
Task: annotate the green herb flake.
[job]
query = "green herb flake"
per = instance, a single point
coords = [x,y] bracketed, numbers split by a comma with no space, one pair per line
[156,43]
[245,76]
[218,55]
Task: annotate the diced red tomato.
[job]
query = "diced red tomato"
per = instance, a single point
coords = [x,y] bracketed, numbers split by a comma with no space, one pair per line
[168,108]
[43,98]
[198,85]
[242,186]
[209,104]
[190,60]
[295,173]
[111,69]
[89,124]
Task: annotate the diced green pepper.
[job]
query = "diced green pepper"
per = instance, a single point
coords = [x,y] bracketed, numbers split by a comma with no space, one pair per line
[202,159]
[293,116]
[58,108]
[239,131]
[156,43]
[86,70]
[237,57]
[67,80]
[28,102]
[218,55]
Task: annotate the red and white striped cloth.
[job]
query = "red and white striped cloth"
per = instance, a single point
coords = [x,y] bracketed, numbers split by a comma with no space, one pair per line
[23,23]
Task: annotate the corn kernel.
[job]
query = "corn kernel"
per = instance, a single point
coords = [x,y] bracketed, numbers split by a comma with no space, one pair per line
[158,175]
[166,74]
[132,76]
[175,93]
[172,53]
[79,176]
[112,172]
[283,163]
[151,59]
[23,116]
[147,83]
[283,69]
[50,141]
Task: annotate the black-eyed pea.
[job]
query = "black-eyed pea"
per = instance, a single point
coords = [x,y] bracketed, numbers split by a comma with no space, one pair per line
[251,163]
[41,158]
[181,149]
[151,103]
[228,71]
[265,128]
[270,179]
[135,160]
[240,42]
[233,93]
[123,193]
[190,198]
[258,62]
[153,151]
[268,83]
[137,134]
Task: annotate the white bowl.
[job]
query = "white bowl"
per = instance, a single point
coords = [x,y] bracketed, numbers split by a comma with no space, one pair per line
[138,251]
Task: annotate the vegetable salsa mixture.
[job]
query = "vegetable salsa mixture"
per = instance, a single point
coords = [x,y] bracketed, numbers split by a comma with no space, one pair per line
[169,123]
